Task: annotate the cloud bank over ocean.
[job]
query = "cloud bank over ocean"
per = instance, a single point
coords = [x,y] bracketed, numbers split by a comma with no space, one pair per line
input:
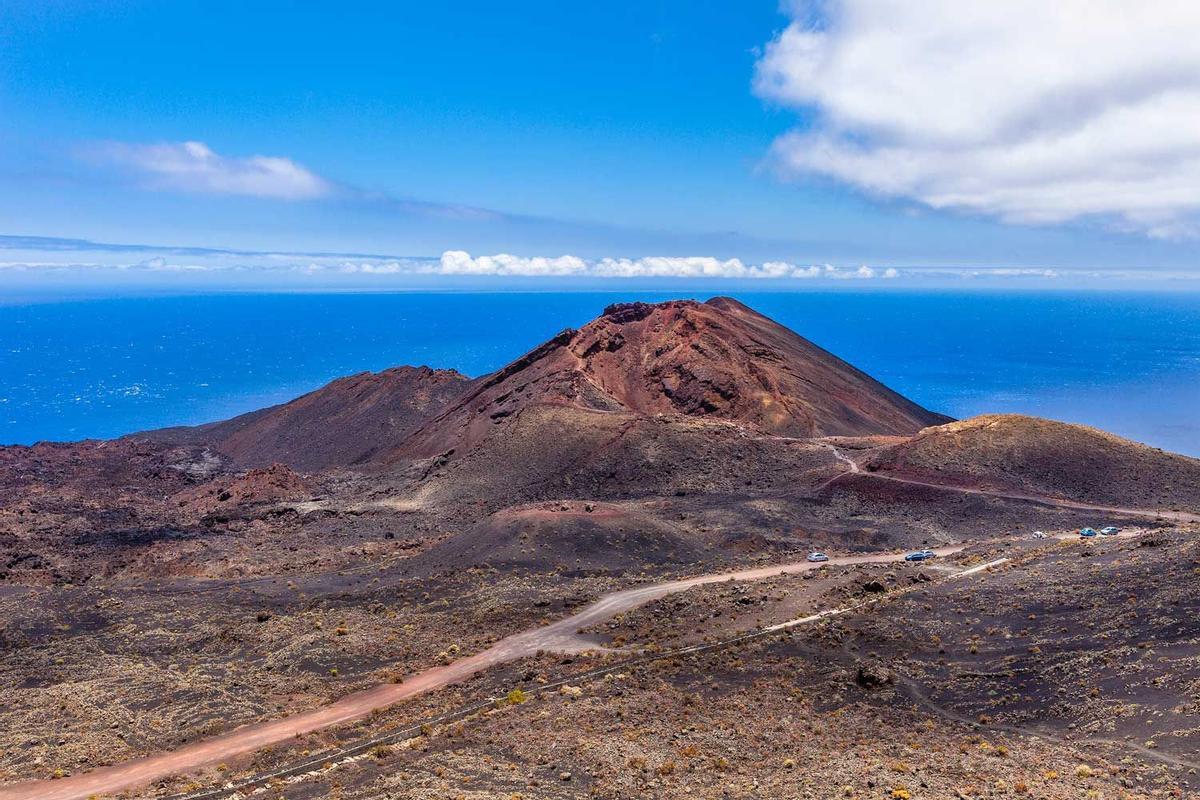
[458,262]
[32,260]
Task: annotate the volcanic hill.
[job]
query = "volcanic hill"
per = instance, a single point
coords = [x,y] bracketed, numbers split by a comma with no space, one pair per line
[719,360]
[1010,452]
[341,424]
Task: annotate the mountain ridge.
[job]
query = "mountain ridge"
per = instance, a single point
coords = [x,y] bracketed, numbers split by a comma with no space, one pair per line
[340,424]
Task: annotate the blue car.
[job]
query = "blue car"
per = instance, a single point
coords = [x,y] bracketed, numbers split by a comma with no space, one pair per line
[920,555]
[1087,532]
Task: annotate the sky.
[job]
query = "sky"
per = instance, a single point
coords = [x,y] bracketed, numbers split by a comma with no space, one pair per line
[808,142]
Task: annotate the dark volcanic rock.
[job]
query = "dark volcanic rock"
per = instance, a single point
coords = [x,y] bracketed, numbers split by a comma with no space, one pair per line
[872,675]
[273,484]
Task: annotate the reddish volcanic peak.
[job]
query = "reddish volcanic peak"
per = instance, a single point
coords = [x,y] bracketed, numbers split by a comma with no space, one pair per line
[718,359]
[725,360]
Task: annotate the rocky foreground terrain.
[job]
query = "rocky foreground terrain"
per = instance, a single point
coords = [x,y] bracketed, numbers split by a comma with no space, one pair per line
[168,587]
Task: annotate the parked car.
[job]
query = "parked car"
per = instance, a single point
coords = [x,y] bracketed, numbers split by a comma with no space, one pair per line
[816,557]
[920,555]
[1087,532]
[1039,534]
[1111,530]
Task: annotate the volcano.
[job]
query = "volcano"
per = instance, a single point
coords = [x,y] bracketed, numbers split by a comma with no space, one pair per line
[718,360]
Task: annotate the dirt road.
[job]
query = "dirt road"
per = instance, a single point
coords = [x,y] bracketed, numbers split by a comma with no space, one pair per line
[854,469]
[559,636]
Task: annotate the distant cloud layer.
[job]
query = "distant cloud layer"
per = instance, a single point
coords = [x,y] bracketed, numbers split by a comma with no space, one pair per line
[31,257]
[458,262]
[1030,111]
[194,167]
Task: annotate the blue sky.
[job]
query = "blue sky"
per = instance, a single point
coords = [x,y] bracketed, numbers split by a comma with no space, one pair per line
[599,131]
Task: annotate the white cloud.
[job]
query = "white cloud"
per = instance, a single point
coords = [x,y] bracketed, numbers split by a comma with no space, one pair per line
[194,167]
[1030,111]
[864,272]
[458,262]
[388,267]
[694,267]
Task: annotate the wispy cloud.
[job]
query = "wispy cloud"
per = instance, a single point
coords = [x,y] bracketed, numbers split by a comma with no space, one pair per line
[195,167]
[1028,111]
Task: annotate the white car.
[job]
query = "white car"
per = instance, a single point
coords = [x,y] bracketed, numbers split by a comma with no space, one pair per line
[1039,534]
[817,557]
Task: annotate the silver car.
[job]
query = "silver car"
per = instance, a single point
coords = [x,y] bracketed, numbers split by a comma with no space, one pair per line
[817,557]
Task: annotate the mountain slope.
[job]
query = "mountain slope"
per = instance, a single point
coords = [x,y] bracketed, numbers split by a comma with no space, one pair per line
[1044,457]
[718,360]
[341,424]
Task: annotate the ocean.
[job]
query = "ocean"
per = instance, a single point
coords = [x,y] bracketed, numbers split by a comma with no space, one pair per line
[1126,362]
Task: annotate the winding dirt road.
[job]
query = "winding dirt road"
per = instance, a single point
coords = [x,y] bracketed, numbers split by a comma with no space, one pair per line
[560,636]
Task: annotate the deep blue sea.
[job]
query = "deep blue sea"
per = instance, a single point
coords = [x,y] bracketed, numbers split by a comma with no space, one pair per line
[70,369]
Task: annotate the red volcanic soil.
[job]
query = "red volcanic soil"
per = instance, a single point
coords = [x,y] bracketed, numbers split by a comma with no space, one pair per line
[341,424]
[718,359]
[1008,452]
[271,485]
[102,473]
